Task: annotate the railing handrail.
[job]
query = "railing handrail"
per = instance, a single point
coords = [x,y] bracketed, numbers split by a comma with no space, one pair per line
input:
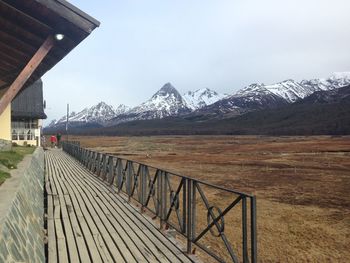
[182,176]
[121,173]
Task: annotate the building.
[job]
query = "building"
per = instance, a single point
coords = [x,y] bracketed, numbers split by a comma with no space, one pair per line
[27,113]
[34,36]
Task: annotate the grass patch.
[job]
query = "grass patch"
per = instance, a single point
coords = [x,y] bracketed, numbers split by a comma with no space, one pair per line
[10,159]
[3,176]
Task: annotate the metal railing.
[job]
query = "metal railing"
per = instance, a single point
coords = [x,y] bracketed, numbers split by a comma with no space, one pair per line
[181,202]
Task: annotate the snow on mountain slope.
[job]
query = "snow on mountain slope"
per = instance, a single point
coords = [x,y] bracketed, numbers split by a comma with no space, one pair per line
[289,90]
[205,102]
[336,80]
[165,102]
[98,113]
[292,91]
[261,96]
[201,98]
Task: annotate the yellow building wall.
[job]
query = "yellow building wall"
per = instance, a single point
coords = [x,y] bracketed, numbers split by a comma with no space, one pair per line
[5,124]
[26,142]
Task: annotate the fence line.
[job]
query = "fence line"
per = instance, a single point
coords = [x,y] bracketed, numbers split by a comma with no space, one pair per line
[174,199]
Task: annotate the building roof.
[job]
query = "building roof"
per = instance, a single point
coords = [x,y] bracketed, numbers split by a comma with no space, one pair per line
[24,26]
[29,102]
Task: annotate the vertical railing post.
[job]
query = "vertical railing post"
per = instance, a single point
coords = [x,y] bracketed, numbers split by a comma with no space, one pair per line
[184,205]
[164,196]
[244,230]
[143,186]
[120,173]
[81,154]
[191,213]
[89,160]
[110,170]
[129,176]
[86,161]
[83,157]
[92,161]
[159,195]
[87,152]
[104,167]
[98,164]
[254,249]
[94,156]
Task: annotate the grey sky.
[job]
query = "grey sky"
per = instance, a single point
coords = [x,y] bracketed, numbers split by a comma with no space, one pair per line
[220,44]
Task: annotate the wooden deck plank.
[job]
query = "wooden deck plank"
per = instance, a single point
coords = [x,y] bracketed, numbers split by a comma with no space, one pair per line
[101,225]
[153,235]
[70,239]
[60,235]
[92,248]
[160,241]
[118,232]
[96,247]
[107,248]
[102,216]
[148,227]
[80,253]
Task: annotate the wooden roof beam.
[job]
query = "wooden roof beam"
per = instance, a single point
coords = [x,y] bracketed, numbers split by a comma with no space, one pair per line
[25,74]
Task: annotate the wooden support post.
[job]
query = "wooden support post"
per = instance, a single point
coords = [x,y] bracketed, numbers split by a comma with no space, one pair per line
[25,74]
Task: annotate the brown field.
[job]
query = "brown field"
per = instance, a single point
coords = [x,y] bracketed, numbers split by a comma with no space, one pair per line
[302,184]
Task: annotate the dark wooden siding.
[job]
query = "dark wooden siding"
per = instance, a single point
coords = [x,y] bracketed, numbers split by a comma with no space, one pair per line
[29,102]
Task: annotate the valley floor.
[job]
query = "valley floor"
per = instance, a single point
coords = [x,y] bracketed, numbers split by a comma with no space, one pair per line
[301,183]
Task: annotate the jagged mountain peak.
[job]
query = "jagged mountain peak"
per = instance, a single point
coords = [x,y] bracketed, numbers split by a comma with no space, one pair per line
[288,90]
[201,98]
[166,91]
[287,81]
[167,88]
[251,90]
[255,85]
[101,104]
[99,113]
[340,75]
[167,101]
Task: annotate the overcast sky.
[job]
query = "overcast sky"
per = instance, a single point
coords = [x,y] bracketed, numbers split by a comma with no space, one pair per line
[220,44]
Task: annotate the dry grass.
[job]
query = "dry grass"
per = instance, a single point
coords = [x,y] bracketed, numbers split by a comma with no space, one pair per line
[302,184]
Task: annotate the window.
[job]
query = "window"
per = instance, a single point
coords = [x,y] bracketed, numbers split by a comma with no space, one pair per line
[24,130]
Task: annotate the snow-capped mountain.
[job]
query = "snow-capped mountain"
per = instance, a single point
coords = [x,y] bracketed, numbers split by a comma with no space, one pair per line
[98,113]
[289,90]
[201,98]
[254,97]
[292,91]
[205,104]
[165,102]
[121,109]
[261,96]
[332,96]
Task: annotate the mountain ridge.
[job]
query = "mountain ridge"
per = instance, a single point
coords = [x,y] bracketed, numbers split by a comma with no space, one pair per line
[313,115]
[204,104]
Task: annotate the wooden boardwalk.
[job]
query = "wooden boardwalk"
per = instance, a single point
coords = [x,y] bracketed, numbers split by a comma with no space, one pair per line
[87,222]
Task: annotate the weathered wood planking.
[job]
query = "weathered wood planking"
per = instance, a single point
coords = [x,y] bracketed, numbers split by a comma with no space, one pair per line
[133,217]
[87,222]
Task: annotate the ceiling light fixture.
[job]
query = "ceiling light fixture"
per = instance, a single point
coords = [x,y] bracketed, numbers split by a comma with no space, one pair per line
[59,37]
